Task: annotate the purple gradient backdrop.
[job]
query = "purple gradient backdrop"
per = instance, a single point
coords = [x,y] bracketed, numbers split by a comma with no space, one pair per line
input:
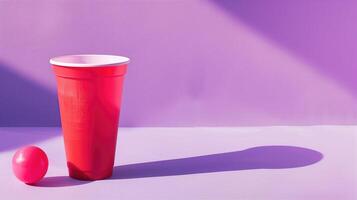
[194,63]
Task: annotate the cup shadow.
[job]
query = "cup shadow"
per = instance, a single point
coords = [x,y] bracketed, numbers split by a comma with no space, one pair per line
[59,181]
[261,157]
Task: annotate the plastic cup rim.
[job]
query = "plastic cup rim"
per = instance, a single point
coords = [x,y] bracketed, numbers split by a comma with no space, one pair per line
[89,60]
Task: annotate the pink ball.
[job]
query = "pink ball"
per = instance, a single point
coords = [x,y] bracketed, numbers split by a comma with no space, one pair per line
[30,164]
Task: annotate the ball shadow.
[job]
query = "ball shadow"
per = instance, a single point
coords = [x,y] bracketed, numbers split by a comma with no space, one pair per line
[59,181]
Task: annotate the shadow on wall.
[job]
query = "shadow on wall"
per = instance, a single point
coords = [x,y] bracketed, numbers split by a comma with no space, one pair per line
[12,138]
[24,103]
[321,32]
[203,68]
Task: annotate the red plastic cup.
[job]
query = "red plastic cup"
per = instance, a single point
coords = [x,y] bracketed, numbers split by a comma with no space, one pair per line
[89,94]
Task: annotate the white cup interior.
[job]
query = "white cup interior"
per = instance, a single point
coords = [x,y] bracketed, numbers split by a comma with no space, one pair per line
[88,60]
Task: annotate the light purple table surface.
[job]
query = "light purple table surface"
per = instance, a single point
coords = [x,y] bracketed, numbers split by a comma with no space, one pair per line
[253,163]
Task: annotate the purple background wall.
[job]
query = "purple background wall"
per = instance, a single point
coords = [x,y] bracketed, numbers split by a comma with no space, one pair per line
[205,63]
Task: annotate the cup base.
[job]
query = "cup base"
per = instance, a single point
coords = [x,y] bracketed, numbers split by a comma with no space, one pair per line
[89,175]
